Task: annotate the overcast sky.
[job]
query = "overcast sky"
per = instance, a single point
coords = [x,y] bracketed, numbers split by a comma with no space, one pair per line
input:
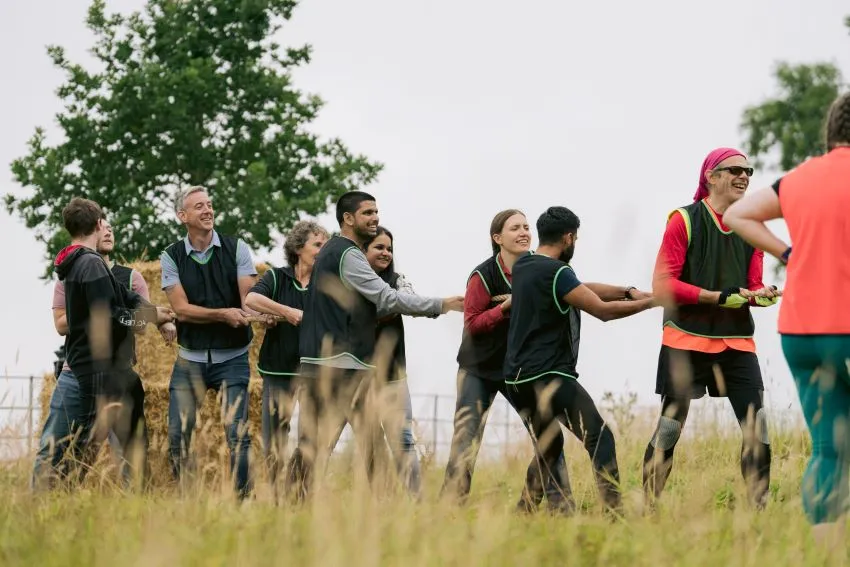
[607,108]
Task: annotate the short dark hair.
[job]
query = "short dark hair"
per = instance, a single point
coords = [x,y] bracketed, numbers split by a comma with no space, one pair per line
[555,223]
[298,237]
[350,202]
[80,217]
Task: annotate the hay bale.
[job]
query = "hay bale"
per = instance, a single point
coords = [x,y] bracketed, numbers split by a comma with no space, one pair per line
[155,363]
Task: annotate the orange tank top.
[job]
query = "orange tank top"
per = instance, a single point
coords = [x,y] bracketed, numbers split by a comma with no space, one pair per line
[815,202]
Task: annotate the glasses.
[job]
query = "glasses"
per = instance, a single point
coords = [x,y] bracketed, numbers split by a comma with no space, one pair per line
[737,170]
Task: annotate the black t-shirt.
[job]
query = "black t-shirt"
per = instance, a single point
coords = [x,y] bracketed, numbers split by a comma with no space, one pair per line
[279,352]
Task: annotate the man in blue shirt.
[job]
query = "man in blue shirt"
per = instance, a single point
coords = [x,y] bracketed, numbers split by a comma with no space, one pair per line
[206,277]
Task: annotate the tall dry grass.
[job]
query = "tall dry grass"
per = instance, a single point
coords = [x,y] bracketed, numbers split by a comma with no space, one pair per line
[703,519]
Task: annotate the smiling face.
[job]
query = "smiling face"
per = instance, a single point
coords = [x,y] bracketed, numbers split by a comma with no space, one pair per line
[197,212]
[380,253]
[364,222]
[515,236]
[730,179]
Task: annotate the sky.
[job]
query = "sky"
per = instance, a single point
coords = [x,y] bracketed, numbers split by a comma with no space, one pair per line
[607,108]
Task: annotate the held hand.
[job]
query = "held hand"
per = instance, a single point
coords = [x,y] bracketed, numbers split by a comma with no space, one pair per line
[269,321]
[734,298]
[294,317]
[506,304]
[164,315]
[235,317]
[168,332]
[636,294]
[453,304]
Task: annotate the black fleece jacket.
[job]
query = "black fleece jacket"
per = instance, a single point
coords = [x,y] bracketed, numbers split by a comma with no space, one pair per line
[100,313]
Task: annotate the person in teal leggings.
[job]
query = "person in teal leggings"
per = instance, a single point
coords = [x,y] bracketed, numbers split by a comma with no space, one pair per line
[819,364]
[814,199]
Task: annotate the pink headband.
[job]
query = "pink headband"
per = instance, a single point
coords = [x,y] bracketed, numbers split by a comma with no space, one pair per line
[711,161]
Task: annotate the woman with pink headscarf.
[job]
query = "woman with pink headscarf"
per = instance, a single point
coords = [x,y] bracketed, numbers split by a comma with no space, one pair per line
[708,278]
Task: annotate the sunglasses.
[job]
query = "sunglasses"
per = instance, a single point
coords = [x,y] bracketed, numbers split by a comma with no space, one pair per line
[737,170]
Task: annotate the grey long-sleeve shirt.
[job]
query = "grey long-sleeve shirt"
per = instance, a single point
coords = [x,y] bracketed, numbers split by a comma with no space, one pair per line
[359,276]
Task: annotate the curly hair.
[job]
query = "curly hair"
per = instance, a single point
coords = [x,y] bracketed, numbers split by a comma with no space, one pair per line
[838,122]
[298,237]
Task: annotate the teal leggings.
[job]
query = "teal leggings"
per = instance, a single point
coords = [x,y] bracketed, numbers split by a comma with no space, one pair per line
[821,368]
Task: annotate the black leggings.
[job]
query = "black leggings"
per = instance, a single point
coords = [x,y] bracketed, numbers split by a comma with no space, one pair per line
[551,400]
[755,448]
[475,397]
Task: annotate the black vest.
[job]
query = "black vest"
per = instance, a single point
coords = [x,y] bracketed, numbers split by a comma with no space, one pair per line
[541,336]
[213,285]
[279,353]
[336,318]
[391,332]
[483,354]
[715,261]
[124,276]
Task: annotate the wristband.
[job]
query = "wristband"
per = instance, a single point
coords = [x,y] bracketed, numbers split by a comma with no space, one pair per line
[627,294]
[785,255]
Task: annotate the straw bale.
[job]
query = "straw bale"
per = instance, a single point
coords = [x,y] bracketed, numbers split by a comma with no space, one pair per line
[155,363]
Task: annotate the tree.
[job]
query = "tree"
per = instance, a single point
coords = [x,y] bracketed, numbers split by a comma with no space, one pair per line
[793,121]
[188,92]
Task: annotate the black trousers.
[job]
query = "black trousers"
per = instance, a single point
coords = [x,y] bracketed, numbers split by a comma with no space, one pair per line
[475,396]
[553,400]
[114,400]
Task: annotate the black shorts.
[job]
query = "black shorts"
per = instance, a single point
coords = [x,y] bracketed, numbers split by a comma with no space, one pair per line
[686,373]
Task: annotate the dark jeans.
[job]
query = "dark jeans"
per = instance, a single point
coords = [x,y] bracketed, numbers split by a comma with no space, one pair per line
[279,396]
[551,401]
[61,429]
[189,383]
[330,398]
[475,396]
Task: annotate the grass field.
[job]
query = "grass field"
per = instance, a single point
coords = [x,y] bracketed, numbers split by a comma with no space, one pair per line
[702,520]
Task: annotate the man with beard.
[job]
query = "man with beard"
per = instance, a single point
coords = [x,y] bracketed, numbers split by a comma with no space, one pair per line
[59,428]
[101,315]
[708,278]
[337,341]
[543,339]
[206,277]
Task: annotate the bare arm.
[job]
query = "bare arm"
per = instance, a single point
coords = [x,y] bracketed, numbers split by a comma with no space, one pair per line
[60,322]
[262,304]
[747,218]
[583,298]
[188,313]
[608,292]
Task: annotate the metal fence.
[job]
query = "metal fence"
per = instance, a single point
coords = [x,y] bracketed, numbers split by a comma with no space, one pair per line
[20,419]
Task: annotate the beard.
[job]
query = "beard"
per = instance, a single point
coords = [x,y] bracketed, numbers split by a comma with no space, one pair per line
[567,254]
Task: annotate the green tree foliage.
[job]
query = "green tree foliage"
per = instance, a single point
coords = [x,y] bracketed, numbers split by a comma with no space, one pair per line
[187,92]
[792,122]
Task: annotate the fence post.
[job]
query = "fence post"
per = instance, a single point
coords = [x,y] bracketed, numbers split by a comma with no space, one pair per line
[29,415]
[434,423]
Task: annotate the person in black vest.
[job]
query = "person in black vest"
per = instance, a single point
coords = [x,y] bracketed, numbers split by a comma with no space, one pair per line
[58,428]
[206,277]
[344,302]
[391,357]
[101,315]
[540,364]
[709,278]
[280,293]
[487,305]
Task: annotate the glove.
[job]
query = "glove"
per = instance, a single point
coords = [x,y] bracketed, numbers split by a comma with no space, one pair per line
[765,301]
[731,298]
